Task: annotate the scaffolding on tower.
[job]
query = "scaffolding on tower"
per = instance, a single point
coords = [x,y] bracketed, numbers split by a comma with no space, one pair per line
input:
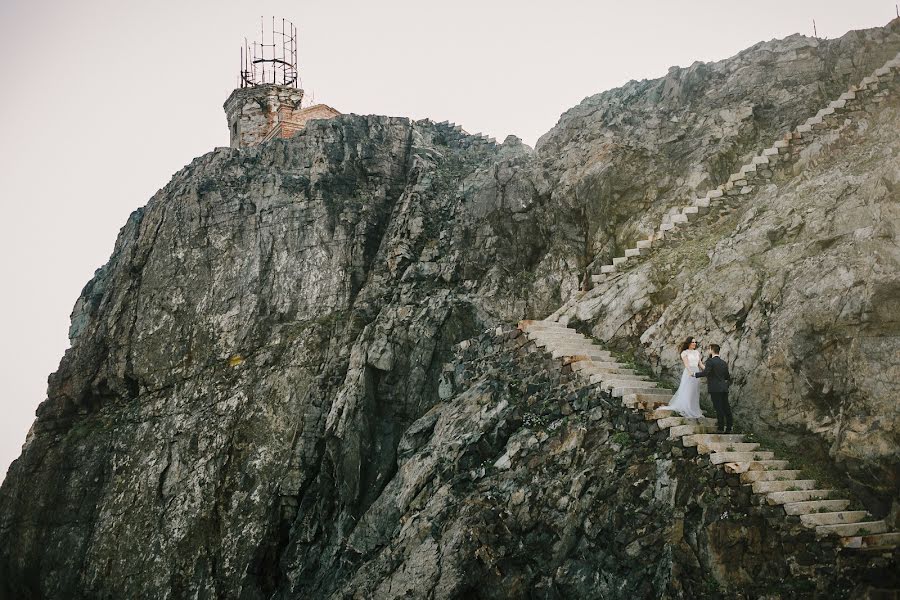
[272,63]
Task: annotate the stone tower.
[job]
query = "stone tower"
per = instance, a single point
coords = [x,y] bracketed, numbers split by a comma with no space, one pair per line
[259,113]
[267,103]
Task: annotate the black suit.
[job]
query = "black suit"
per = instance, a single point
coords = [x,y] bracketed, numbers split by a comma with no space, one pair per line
[717,378]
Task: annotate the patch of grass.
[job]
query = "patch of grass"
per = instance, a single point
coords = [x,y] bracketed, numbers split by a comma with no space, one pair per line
[621,438]
[863,531]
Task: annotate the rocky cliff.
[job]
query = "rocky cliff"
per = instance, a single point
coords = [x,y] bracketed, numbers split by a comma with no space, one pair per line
[266,395]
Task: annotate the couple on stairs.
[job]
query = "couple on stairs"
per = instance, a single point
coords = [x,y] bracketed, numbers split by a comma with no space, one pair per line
[686,400]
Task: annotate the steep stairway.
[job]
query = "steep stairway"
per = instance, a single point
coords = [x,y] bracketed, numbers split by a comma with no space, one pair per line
[771,480]
[784,158]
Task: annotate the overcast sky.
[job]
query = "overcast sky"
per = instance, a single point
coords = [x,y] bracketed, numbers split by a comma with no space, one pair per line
[102,101]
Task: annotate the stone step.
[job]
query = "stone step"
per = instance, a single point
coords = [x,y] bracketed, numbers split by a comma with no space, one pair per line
[718,458]
[853,529]
[619,260]
[712,438]
[606,269]
[691,212]
[644,244]
[607,371]
[598,278]
[665,226]
[807,507]
[881,540]
[833,518]
[632,252]
[704,448]
[601,377]
[679,218]
[755,465]
[679,420]
[579,348]
[770,152]
[776,498]
[764,487]
[716,193]
[535,326]
[649,404]
[635,381]
[761,160]
[585,354]
[592,358]
[783,475]
[553,333]
[681,430]
[781,144]
[587,365]
[656,414]
[624,390]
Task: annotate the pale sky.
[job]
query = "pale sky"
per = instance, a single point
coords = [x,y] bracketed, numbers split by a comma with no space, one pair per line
[102,101]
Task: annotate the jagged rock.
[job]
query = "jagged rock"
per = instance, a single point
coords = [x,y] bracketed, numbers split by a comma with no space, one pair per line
[288,380]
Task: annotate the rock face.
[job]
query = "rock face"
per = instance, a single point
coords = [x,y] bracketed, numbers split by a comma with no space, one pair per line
[264,398]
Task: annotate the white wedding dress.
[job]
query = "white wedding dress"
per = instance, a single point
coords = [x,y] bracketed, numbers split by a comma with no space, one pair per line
[686,400]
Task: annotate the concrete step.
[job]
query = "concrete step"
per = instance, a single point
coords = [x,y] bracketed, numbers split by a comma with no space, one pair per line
[755,465]
[681,430]
[853,529]
[833,518]
[886,541]
[808,507]
[718,458]
[765,487]
[776,498]
[751,476]
[712,438]
[623,390]
[707,448]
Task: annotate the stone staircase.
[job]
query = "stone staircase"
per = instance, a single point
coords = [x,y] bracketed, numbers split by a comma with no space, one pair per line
[783,157]
[772,482]
[455,136]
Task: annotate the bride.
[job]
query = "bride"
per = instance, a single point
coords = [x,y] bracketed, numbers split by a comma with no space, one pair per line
[686,400]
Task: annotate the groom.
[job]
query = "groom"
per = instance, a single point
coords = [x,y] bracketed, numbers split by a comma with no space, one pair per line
[717,378]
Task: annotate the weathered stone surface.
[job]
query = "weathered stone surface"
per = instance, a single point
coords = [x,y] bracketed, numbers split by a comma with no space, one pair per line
[277,387]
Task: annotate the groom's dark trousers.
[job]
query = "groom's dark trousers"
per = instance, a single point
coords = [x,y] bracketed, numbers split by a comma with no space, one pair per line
[717,379]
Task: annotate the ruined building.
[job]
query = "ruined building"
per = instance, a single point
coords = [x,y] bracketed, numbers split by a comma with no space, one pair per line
[268,102]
